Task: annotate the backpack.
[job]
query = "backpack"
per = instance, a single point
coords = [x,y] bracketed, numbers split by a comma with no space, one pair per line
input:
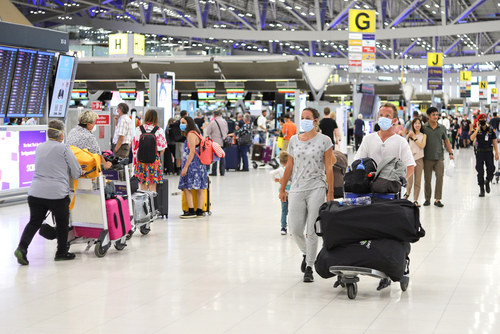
[175,133]
[208,148]
[390,176]
[146,153]
[339,169]
[255,121]
[357,179]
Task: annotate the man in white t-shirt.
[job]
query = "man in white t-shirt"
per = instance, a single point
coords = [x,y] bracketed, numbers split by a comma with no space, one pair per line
[386,143]
[444,121]
[262,127]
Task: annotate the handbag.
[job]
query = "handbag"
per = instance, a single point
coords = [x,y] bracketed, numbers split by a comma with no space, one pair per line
[227,142]
[279,144]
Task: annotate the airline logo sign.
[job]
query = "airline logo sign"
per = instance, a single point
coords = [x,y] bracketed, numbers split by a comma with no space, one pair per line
[465,84]
[434,71]
[483,91]
[362,41]
[362,21]
[118,44]
[494,95]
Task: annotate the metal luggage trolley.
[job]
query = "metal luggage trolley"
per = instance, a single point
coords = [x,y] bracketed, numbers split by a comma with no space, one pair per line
[88,218]
[348,276]
[273,162]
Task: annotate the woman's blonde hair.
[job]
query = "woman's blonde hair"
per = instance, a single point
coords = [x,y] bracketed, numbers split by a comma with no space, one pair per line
[87,117]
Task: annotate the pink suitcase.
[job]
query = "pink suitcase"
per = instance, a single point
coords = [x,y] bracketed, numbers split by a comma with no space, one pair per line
[118,216]
[267,153]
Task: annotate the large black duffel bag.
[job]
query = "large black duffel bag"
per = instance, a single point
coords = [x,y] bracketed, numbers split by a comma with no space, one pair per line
[388,256]
[342,225]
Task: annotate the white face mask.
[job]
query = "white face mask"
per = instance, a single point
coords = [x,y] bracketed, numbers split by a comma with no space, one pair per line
[94,128]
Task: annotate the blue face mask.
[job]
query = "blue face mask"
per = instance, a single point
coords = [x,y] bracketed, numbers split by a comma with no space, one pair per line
[306,124]
[182,127]
[385,123]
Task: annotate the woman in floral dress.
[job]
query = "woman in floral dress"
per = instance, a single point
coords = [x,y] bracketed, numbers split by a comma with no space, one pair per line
[194,173]
[149,174]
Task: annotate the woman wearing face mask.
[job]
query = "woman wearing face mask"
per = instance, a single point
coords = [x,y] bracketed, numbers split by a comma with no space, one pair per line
[417,141]
[81,136]
[193,174]
[149,174]
[310,162]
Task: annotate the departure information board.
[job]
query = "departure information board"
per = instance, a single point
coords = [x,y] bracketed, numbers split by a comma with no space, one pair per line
[40,84]
[7,65]
[20,90]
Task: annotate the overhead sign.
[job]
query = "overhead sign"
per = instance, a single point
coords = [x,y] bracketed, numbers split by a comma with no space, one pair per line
[465,84]
[362,21]
[362,41]
[118,44]
[494,95]
[96,105]
[434,59]
[483,91]
[139,44]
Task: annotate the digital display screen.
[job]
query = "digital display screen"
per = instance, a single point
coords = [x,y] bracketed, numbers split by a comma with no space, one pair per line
[62,86]
[165,86]
[366,106]
[17,154]
[40,84]
[206,94]
[128,94]
[79,94]
[290,96]
[7,66]
[20,88]
[235,94]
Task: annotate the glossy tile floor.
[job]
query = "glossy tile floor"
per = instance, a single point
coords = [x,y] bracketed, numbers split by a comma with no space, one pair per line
[233,272]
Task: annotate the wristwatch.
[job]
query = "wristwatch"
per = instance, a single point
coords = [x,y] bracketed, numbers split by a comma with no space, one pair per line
[450,153]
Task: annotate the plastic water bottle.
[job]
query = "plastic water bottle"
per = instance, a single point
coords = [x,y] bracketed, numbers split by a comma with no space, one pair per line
[364,200]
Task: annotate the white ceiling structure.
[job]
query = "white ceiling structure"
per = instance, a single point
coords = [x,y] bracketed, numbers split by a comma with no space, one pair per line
[466,31]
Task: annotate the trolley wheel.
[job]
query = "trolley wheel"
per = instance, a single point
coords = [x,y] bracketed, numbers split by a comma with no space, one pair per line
[144,230]
[209,213]
[352,290]
[274,164]
[120,245]
[129,235]
[404,286]
[254,165]
[99,251]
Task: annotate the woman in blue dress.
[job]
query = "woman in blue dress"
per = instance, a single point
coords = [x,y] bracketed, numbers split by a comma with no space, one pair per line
[194,174]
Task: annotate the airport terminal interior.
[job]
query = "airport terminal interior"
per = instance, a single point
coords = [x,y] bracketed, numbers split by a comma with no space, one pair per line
[232,270]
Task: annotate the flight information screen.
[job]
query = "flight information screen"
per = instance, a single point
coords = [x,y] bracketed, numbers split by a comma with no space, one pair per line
[7,65]
[23,73]
[40,84]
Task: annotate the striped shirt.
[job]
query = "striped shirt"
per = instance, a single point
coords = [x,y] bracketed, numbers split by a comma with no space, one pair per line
[123,128]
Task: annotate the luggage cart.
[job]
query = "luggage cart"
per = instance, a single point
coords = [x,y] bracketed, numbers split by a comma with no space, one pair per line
[88,220]
[347,277]
[264,156]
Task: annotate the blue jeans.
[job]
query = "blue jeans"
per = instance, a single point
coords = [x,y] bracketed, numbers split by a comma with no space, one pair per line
[244,155]
[262,137]
[222,167]
[284,212]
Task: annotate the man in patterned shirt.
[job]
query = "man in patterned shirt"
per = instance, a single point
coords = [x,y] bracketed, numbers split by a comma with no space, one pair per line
[123,132]
[81,136]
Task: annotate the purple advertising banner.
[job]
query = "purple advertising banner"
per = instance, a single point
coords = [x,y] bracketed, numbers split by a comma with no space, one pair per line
[435,72]
[434,83]
[28,142]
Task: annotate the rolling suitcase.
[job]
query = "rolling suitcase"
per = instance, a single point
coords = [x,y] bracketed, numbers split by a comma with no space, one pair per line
[232,157]
[257,152]
[168,164]
[161,201]
[144,207]
[267,154]
[118,217]
[207,205]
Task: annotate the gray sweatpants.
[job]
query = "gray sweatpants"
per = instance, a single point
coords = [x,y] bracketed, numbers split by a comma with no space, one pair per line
[303,210]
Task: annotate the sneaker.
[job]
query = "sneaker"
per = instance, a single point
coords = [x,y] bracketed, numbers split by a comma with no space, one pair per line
[308,275]
[199,213]
[65,257]
[188,215]
[427,203]
[303,264]
[20,254]
[283,231]
[438,204]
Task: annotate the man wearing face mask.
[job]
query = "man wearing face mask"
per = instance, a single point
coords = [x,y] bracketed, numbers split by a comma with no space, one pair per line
[486,143]
[384,143]
[81,136]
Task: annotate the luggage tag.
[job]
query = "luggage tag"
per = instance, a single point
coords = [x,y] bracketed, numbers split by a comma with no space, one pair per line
[487,137]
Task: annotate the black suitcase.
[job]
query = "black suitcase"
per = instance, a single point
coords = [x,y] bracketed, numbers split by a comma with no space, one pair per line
[257,152]
[168,165]
[232,157]
[161,201]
